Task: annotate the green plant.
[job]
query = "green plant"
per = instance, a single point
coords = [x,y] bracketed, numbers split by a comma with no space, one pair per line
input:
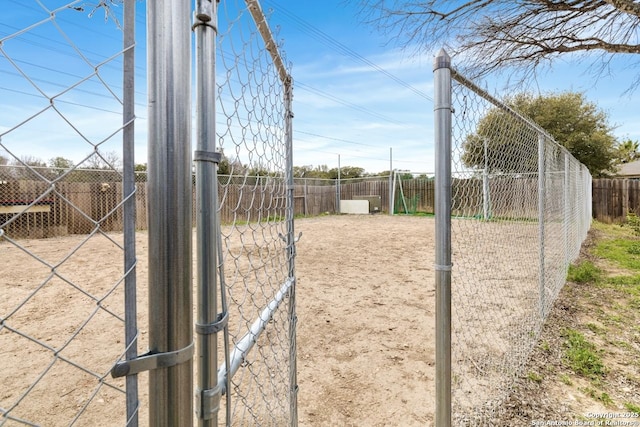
[633,221]
[584,272]
[535,377]
[632,407]
[634,249]
[581,355]
[566,379]
[598,395]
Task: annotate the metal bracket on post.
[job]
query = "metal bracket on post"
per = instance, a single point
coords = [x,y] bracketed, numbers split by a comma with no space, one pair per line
[215,327]
[151,361]
[207,156]
[208,402]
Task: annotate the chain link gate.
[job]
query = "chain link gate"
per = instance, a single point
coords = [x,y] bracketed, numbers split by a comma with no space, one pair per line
[258,246]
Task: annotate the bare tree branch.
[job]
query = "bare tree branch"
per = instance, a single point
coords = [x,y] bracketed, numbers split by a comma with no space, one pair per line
[524,34]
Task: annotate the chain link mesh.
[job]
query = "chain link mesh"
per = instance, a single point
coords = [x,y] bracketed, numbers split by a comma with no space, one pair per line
[251,132]
[521,209]
[61,219]
[61,243]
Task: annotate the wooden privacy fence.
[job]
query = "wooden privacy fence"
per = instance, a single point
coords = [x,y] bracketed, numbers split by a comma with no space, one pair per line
[614,198]
[77,207]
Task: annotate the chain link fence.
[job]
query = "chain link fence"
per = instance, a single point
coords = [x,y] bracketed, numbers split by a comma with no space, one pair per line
[62,300]
[520,210]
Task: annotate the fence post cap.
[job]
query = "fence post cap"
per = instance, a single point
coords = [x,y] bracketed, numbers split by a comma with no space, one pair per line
[442,60]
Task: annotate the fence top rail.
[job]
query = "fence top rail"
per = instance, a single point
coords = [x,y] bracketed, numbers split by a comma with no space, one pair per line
[270,44]
[456,75]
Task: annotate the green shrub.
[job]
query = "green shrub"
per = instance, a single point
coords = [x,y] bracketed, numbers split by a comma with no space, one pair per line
[633,221]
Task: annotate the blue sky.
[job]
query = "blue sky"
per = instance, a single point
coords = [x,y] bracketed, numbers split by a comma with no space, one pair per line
[356,95]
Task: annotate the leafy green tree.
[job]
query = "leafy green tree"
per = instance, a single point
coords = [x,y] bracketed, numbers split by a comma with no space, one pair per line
[223,167]
[309,171]
[302,171]
[346,172]
[628,151]
[574,123]
[60,163]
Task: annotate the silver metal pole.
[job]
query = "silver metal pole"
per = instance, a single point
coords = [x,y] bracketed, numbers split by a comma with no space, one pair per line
[338,196]
[568,244]
[265,32]
[129,208]
[291,254]
[244,345]
[205,158]
[285,78]
[442,130]
[169,209]
[390,180]
[541,209]
[393,191]
[485,182]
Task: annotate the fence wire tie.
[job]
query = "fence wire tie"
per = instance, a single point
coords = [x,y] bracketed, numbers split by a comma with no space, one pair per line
[295,240]
[207,156]
[151,361]
[215,327]
[439,267]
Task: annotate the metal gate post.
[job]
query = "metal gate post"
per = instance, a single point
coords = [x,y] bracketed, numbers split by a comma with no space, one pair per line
[206,159]
[170,202]
[442,128]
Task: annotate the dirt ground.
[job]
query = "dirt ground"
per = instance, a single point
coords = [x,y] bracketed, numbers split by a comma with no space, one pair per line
[365,338]
[366,309]
[365,330]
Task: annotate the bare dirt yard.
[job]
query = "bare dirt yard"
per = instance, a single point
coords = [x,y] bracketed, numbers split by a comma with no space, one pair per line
[366,308]
[365,338]
[365,330]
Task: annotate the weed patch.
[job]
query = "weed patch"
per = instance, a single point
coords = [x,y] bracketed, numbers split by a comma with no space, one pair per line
[621,251]
[581,355]
[584,272]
